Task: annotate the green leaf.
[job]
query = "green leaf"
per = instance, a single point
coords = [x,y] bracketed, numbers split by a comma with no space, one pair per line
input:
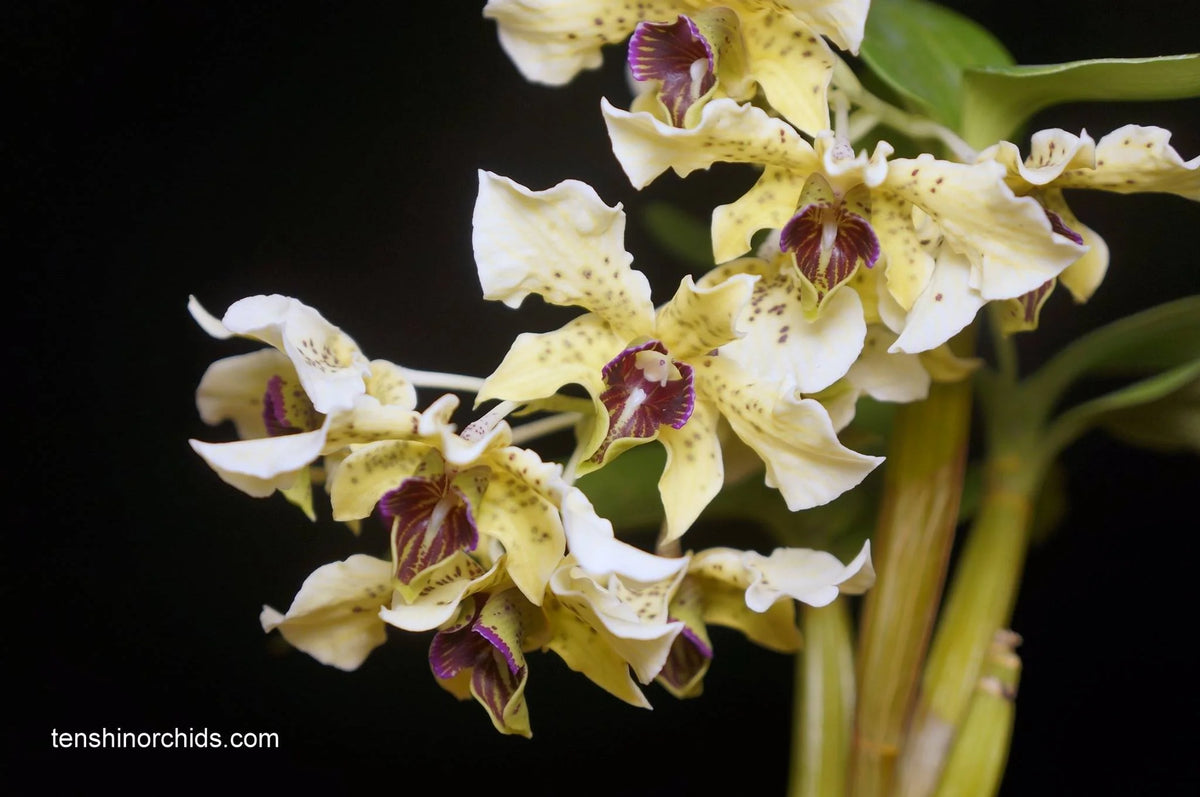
[681,234]
[1170,424]
[1157,339]
[921,49]
[998,100]
[1072,423]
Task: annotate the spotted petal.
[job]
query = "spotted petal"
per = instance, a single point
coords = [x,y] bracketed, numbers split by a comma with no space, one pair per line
[334,617]
[328,362]
[1135,159]
[564,244]
[700,318]
[694,472]
[726,132]
[794,437]
[551,41]
[1008,239]
[946,306]
[617,612]
[792,64]
[232,389]
[517,511]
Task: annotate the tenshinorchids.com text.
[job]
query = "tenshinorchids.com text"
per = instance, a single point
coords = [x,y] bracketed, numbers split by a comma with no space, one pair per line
[173,739]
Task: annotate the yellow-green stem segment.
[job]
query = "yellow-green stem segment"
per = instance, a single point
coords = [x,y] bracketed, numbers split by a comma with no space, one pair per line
[823,703]
[979,603]
[918,516]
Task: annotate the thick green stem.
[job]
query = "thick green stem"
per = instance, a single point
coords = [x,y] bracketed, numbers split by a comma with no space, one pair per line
[918,516]
[979,603]
[823,703]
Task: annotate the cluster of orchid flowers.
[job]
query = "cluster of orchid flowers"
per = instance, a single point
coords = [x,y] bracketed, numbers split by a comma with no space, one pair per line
[869,266]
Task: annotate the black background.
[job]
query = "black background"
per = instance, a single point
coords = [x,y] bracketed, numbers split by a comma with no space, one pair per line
[329,151]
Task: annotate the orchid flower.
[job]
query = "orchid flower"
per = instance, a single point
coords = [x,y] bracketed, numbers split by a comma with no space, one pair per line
[839,213]
[442,493]
[691,48]
[311,394]
[1130,159]
[651,374]
[602,625]
[750,592]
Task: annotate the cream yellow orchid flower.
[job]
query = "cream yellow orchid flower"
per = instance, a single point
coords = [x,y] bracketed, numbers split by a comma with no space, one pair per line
[311,394]
[605,624]
[749,592]
[1130,159]
[838,212]
[651,374]
[776,44]
[441,493]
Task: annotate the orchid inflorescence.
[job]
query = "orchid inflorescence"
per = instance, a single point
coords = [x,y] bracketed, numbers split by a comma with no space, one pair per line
[839,275]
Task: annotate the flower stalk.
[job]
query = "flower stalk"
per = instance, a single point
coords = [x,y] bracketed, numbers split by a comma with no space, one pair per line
[823,703]
[918,516]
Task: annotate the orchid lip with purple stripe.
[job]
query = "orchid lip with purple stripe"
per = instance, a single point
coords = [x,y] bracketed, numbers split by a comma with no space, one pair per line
[677,54]
[829,241]
[645,389]
[429,519]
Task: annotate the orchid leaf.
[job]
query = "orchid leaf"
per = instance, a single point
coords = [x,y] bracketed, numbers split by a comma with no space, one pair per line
[1170,424]
[1072,423]
[1153,340]
[921,49]
[999,99]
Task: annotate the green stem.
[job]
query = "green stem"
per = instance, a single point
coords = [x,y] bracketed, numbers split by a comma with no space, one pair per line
[979,603]
[823,703]
[919,513]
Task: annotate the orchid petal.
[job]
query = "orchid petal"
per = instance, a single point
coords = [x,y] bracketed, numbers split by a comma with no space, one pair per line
[948,304]
[328,362]
[333,617]
[726,132]
[537,365]
[232,389]
[700,318]
[598,553]
[768,204]
[551,41]
[723,578]
[564,244]
[1008,239]
[812,577]
[792,64]
[694,472]
[794,437]
[1134,159]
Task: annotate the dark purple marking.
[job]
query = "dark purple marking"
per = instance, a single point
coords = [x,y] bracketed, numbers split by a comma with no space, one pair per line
[853,241]
[667,51]
[408,510]
[638,406]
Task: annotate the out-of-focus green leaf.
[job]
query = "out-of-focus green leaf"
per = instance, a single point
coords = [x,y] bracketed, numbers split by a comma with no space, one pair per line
[920,49]
[1170,424]
[680,233]
[1068,426]
[1157,339]
[997,100]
